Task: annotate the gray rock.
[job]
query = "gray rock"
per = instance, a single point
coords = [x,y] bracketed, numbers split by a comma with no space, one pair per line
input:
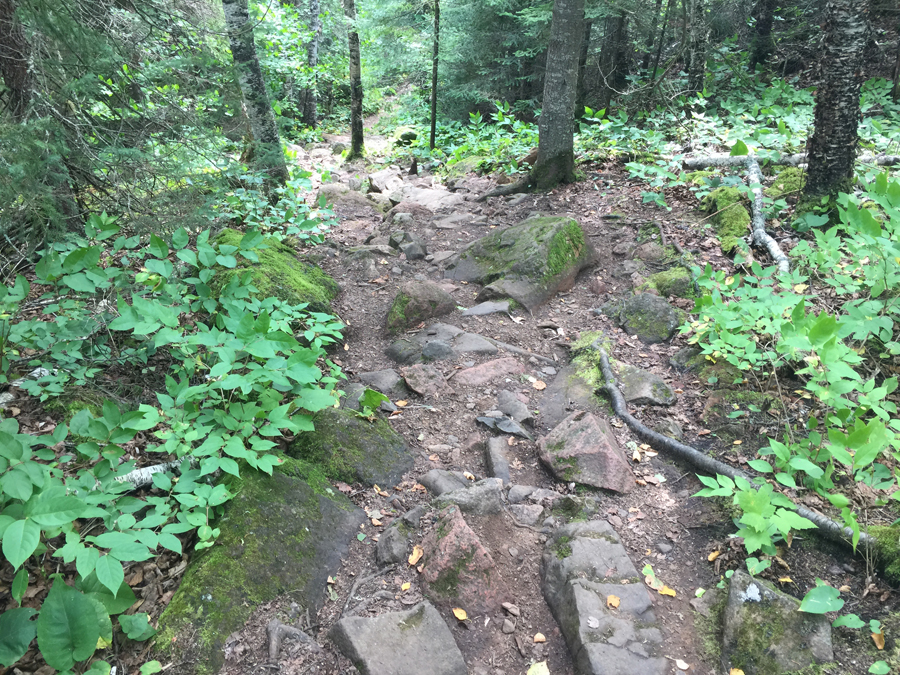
[642,387]
[350,448]
[416,302]
[480,498]
[425,380]
[543,496]
[453,221]
[437,350]
[353,391]
[385,181]
[519,493]
[355,184]
[533,260]
[649,317]
[567,393]
[405,351]
[583,449]
[399,643]
[441,256]
[414,250]
[651,251]
[583,564]
[510,405]
[495,460]
[504,425]
[765,632]
[413,516]
[669,428]
[439,481]
[681,360]
[391,546]
[402,219]
[527,514]
[484,308]
[470,343]
[384,381]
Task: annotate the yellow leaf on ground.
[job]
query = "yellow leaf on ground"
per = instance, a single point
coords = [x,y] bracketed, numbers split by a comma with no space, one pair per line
[416,555]
[878,639]
[434,458]
[612,601]
[799,288]
[539,385]
[376,522]
[665,590]
[539,637]
[460,614]
[402,404]
[468,475]
[735,671]
[636,456]
[539,668]
[703,432]
[845,589]
[405,586]
[785,580]
[738,442]
[712,556]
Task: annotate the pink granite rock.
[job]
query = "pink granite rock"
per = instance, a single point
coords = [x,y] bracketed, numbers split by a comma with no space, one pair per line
[425,380]
[484,373]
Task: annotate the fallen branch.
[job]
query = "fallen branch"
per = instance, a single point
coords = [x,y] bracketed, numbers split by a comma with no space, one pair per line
[363,580]
[760,237]
[523,185]
[827,527]
[722,160]
[277,632]
[144,476]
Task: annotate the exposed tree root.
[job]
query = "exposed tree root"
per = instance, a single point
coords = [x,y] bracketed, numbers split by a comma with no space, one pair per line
[277,632]
[706,464]
[523,185]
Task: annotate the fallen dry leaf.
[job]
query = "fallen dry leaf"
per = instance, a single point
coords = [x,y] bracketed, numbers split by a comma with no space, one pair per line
[343,487]
[612,601]
[712,556]
[539,637]
[468,475]
[785,580]
[416,555]
[460,614]
[681,665]
[330,580]
[703,432]
[738,442]
[665,590]
[434,458]
[405,586]
[636,456]
[376,522]
[540,386]
[539,668]
[735,671]
[845,589]
[420,568]
[402,404]
[878,639]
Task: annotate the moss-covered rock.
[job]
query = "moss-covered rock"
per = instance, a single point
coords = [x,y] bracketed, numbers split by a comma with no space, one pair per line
[888,548]
[672,282]
[753,407]
[465,166]
[416,302]
[698,178]
[789,181]
[529,262]
[279,274]
[649,317]
[349,448]
[281,534]
[730,219]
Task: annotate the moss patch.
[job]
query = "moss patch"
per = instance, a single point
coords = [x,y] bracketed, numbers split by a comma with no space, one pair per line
[888,549]
[675,281]
[790,181]
[466,166]
[279,274]
[698,178]
[731,220]
[566,248]
[396,318]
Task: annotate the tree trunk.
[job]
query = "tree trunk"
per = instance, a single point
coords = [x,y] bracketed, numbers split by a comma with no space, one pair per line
[582,69]
[434,71]
[15,61]
[832,146]
[310,108]
[651,35]
[356,90]
[699,33]
[556,125]
[267,154]
[612,58]
[896,90]
[662,39]
[763,45]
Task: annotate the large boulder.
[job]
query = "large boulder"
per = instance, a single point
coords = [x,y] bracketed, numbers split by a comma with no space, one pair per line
[416,302]
[279,534]
[400,643]
[647,316]
[529,262]
[641,387]
[583,449]
[350,448]
[766,634]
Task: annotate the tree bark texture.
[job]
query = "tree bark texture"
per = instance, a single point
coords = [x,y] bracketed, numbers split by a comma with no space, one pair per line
[267,154]
[310,107]
[832,146]
[581,96]
[15,61]
[651,35]
[356,90]
[699,35]
[434,71]
[612,58]
[762,45]
[896,90]
[662,39]
[556,126]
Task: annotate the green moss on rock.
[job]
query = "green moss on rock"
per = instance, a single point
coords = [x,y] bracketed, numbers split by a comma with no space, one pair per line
[790,181]
[396,318]
[698,178]
[888,548]
[279,274]
[675,281]
[730,219]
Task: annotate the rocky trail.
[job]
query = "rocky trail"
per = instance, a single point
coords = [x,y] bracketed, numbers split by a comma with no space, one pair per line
[493,516]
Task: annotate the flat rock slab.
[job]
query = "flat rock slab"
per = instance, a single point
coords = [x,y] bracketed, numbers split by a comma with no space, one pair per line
[439,481]
[385,181]
[431,198]
[766,634]
[410,350]
[642,387]
[479,375]
[400,643]
[425,380]
[583,564]
[417,301]
[484,308]
[649,317]
[480,499]
[385,381]
[529,262]
[459,572]
[583,449]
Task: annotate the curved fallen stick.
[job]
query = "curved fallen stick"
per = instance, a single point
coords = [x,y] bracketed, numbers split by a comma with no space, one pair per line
[827,527]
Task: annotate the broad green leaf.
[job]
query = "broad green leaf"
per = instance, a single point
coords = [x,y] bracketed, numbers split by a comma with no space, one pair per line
[821,599]
[760,465]
[739,149]
[110,573]
[158,247]
[879,668]
[52,508]
[170,541]
[20,540]
[114,604]
[137,626]
[17,630]
[180,238]
[67,628]
[848,620]
[17,484]
[151,668]
[20,585]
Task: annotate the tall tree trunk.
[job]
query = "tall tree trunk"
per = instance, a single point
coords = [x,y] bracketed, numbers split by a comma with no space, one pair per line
[763,45]
[651,35]
[896,90]
[15,61]
[612,58]
[832,146]
[267,154]
[310,107]
[356,90]
[556,125]
[699,34]
[434,71]
[662,39]
[582,69]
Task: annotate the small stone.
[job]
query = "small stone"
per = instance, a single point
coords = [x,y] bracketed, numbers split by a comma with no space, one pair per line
[519,493]
[663,547]
[527,514]
[488,307]
[437,350]
[425,380]
[508,627]
[511,608]
[513,552]
[549,370]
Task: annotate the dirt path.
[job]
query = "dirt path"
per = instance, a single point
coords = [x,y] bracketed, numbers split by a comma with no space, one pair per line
[659,522]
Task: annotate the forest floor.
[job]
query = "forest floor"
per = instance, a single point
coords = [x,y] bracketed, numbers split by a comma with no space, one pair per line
[660,523]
